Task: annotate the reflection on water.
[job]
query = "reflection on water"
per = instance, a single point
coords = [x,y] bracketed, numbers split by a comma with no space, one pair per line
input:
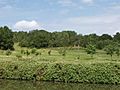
[30,85]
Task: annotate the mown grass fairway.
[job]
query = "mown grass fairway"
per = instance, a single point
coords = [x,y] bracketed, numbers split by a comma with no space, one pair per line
[73,56]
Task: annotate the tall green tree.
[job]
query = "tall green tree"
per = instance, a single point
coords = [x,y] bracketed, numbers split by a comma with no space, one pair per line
[110,49]
[90,49]
[117,37]
[6,38]
[105,37]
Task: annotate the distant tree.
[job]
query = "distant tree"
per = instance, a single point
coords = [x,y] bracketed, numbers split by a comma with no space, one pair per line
[19,36]
[62,39]
[36,39]
[105,37]
[117,51]
[101,44]
[117,37]
[90,49]
[110,49]
[44,39]
[93,38]
[6,38]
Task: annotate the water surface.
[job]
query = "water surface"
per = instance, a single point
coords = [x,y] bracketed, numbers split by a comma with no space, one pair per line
[31,85]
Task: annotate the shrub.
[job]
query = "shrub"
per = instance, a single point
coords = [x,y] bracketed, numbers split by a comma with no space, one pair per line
[19,56]
[49,52]
[117,51]
[110,49]
[62,51]
[103,73]
[8,52]
[22,51]
[90,49]
[27,53]
[33,51]
[37,53]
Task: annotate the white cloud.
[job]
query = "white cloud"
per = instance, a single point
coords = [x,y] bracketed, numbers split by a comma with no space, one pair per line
[26,25]
[87,1]
[6,3]
[64,12]
[95,19]
[99,24]
[66,2]
[89,24]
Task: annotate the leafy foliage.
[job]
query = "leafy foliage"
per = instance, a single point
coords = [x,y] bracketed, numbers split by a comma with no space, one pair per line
[43,38]
[91,50]
[19,56]
[49,52]
[6,38]
[110,49]
[62,51]
[33,51]
[102,73]
[118,52]
[8,52]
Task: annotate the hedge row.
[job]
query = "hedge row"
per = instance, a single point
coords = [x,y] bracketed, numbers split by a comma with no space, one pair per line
[102,73]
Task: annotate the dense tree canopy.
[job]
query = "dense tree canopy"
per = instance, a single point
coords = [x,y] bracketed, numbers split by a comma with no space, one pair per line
[117,37]
[43,38]
[6,38]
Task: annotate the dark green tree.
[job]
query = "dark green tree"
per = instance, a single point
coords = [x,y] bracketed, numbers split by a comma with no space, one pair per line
[105,37]
[117,37]
[6,38]
[110,49]
[90,49]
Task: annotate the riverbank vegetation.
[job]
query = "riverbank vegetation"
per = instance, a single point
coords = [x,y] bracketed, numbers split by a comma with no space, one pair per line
[59,56]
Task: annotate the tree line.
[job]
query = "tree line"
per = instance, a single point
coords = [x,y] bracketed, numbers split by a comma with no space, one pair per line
[45,39]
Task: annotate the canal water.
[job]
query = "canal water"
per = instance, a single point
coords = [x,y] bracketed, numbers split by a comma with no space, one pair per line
[31,85]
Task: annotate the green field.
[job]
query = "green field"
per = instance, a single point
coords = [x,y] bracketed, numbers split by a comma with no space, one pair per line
[75,66]
[73,55]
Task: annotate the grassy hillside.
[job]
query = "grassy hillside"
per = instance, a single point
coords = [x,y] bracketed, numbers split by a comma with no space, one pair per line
[73,55]
[75,66]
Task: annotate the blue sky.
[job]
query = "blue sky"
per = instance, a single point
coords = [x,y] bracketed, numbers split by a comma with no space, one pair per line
[82,16]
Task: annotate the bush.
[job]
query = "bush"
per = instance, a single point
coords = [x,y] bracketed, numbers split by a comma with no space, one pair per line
[49,52]
[27,52]
[37,53]
[33,51]
[19,56]
[22,51]
[110,49]
[117,51]
[102,73]
[8,52]
[62,51]
[90,49]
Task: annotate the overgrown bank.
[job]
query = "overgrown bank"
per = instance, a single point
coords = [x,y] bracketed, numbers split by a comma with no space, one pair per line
[103,73]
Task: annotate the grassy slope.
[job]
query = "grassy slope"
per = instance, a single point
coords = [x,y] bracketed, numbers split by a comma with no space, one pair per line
[100,69]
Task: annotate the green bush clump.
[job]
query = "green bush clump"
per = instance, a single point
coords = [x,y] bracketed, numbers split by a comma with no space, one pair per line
[101,73]
[8,52]
[19,56]
[62,51]
[22,51]
[33,51]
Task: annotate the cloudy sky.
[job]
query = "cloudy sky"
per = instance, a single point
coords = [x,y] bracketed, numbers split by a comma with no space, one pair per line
[82,16]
